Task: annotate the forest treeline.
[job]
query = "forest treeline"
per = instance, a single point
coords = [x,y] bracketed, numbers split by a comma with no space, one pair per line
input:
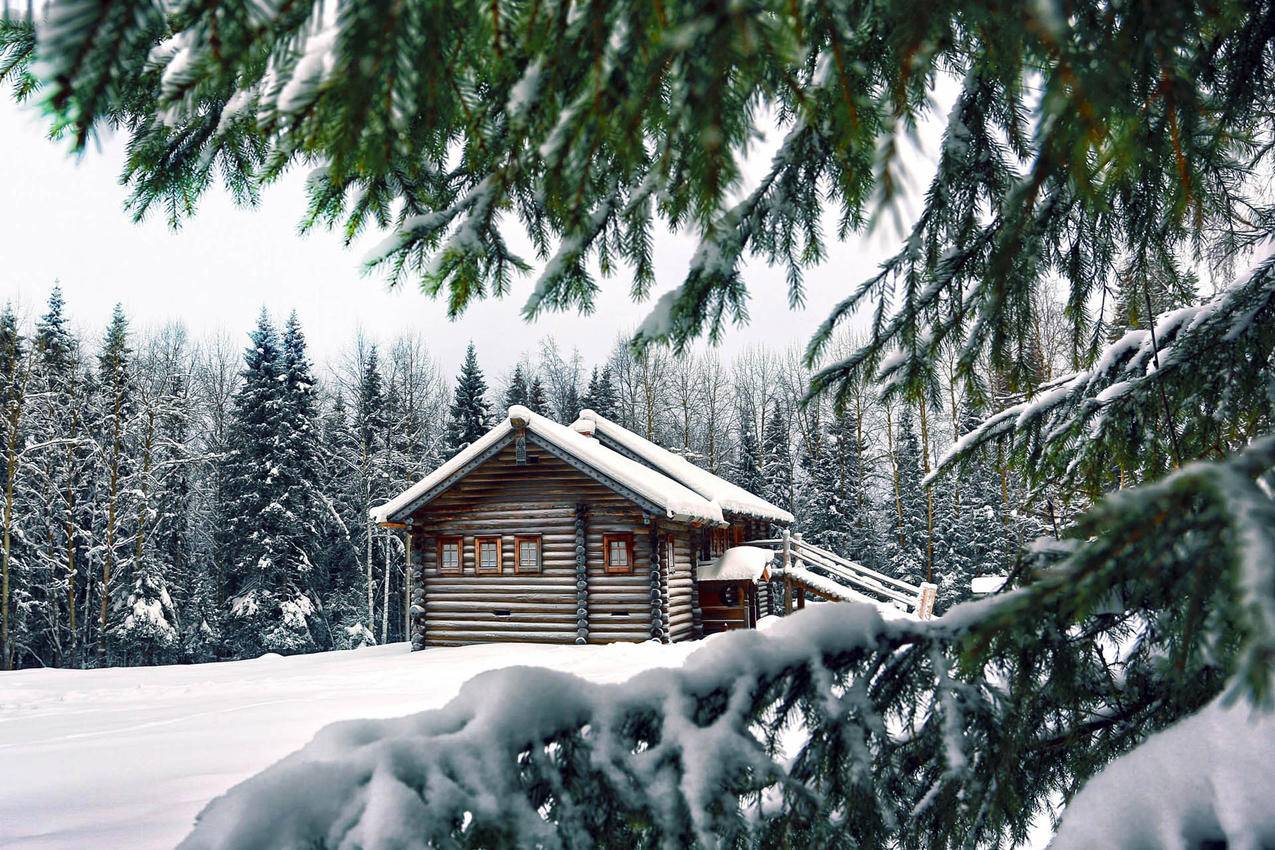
[177,500]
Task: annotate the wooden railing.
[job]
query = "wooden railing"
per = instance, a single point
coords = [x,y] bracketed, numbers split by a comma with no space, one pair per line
[796,553]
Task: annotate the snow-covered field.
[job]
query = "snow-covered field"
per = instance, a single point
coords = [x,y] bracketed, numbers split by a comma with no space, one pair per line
[128,757]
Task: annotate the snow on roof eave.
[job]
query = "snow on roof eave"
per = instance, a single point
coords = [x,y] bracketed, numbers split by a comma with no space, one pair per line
[836,591]
[678,501]
[738,563]
[729,497]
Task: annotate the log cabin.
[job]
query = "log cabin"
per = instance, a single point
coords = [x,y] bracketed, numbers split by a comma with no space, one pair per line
[585,533]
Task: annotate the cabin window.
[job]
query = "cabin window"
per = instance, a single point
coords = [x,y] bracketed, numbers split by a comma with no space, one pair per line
[528,549]
[487,554]
[449,555]
[619,552]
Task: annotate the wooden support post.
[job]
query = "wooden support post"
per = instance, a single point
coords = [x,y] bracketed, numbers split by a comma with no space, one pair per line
[801,598]
[787,596]
[925,600]
[407,580]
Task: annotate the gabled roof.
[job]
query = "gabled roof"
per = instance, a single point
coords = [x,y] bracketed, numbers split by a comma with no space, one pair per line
[624,474]
[731,498]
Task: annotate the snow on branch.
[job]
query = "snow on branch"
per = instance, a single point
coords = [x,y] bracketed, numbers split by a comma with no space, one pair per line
[529,757]
[1083,415]
[835,722]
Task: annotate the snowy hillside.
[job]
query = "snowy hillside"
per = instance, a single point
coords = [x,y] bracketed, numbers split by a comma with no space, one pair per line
[127,757]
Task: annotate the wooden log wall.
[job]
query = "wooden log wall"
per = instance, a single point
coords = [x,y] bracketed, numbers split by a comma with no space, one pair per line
[680,583]
[570,511]
[582,574]
[697,613]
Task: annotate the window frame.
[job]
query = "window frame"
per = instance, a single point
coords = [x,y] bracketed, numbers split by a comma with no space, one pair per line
[519,539]
[478,554]
[443,541]
[628,539]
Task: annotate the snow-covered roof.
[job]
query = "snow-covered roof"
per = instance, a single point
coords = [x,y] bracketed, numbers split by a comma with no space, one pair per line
[838,592]
[739,563]
[983,585]
[677,500]
[729,497]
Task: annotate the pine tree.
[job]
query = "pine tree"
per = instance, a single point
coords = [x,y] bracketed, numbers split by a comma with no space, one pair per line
[145,626]
[907,556]
[269,608]
[14,572]
[747,468]
[536,400]
[777,469]
[298,502]
[371,431]
[978,539]
[245,472]
[833,509]
[344,528]
[607,400]
[114,430]
[468,417]
[568,408]
[588,400]
[601,396]
[58,463]
[517,392]
[1161,287]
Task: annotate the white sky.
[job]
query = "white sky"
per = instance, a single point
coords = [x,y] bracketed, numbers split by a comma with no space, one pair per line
[62,218]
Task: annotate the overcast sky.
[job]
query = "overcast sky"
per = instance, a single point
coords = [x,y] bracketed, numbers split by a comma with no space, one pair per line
[63,219]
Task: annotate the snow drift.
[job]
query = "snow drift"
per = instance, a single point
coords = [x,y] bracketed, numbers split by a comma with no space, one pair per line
[468,768]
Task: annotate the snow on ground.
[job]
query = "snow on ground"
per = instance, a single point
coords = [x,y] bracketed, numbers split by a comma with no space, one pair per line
[127,757]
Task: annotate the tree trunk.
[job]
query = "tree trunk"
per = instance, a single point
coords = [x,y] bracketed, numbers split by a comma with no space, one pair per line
[367,529]
[139,547]
[11,475]
[69,531]
[407,584]
[13,449]
[894,470]
[929,495]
